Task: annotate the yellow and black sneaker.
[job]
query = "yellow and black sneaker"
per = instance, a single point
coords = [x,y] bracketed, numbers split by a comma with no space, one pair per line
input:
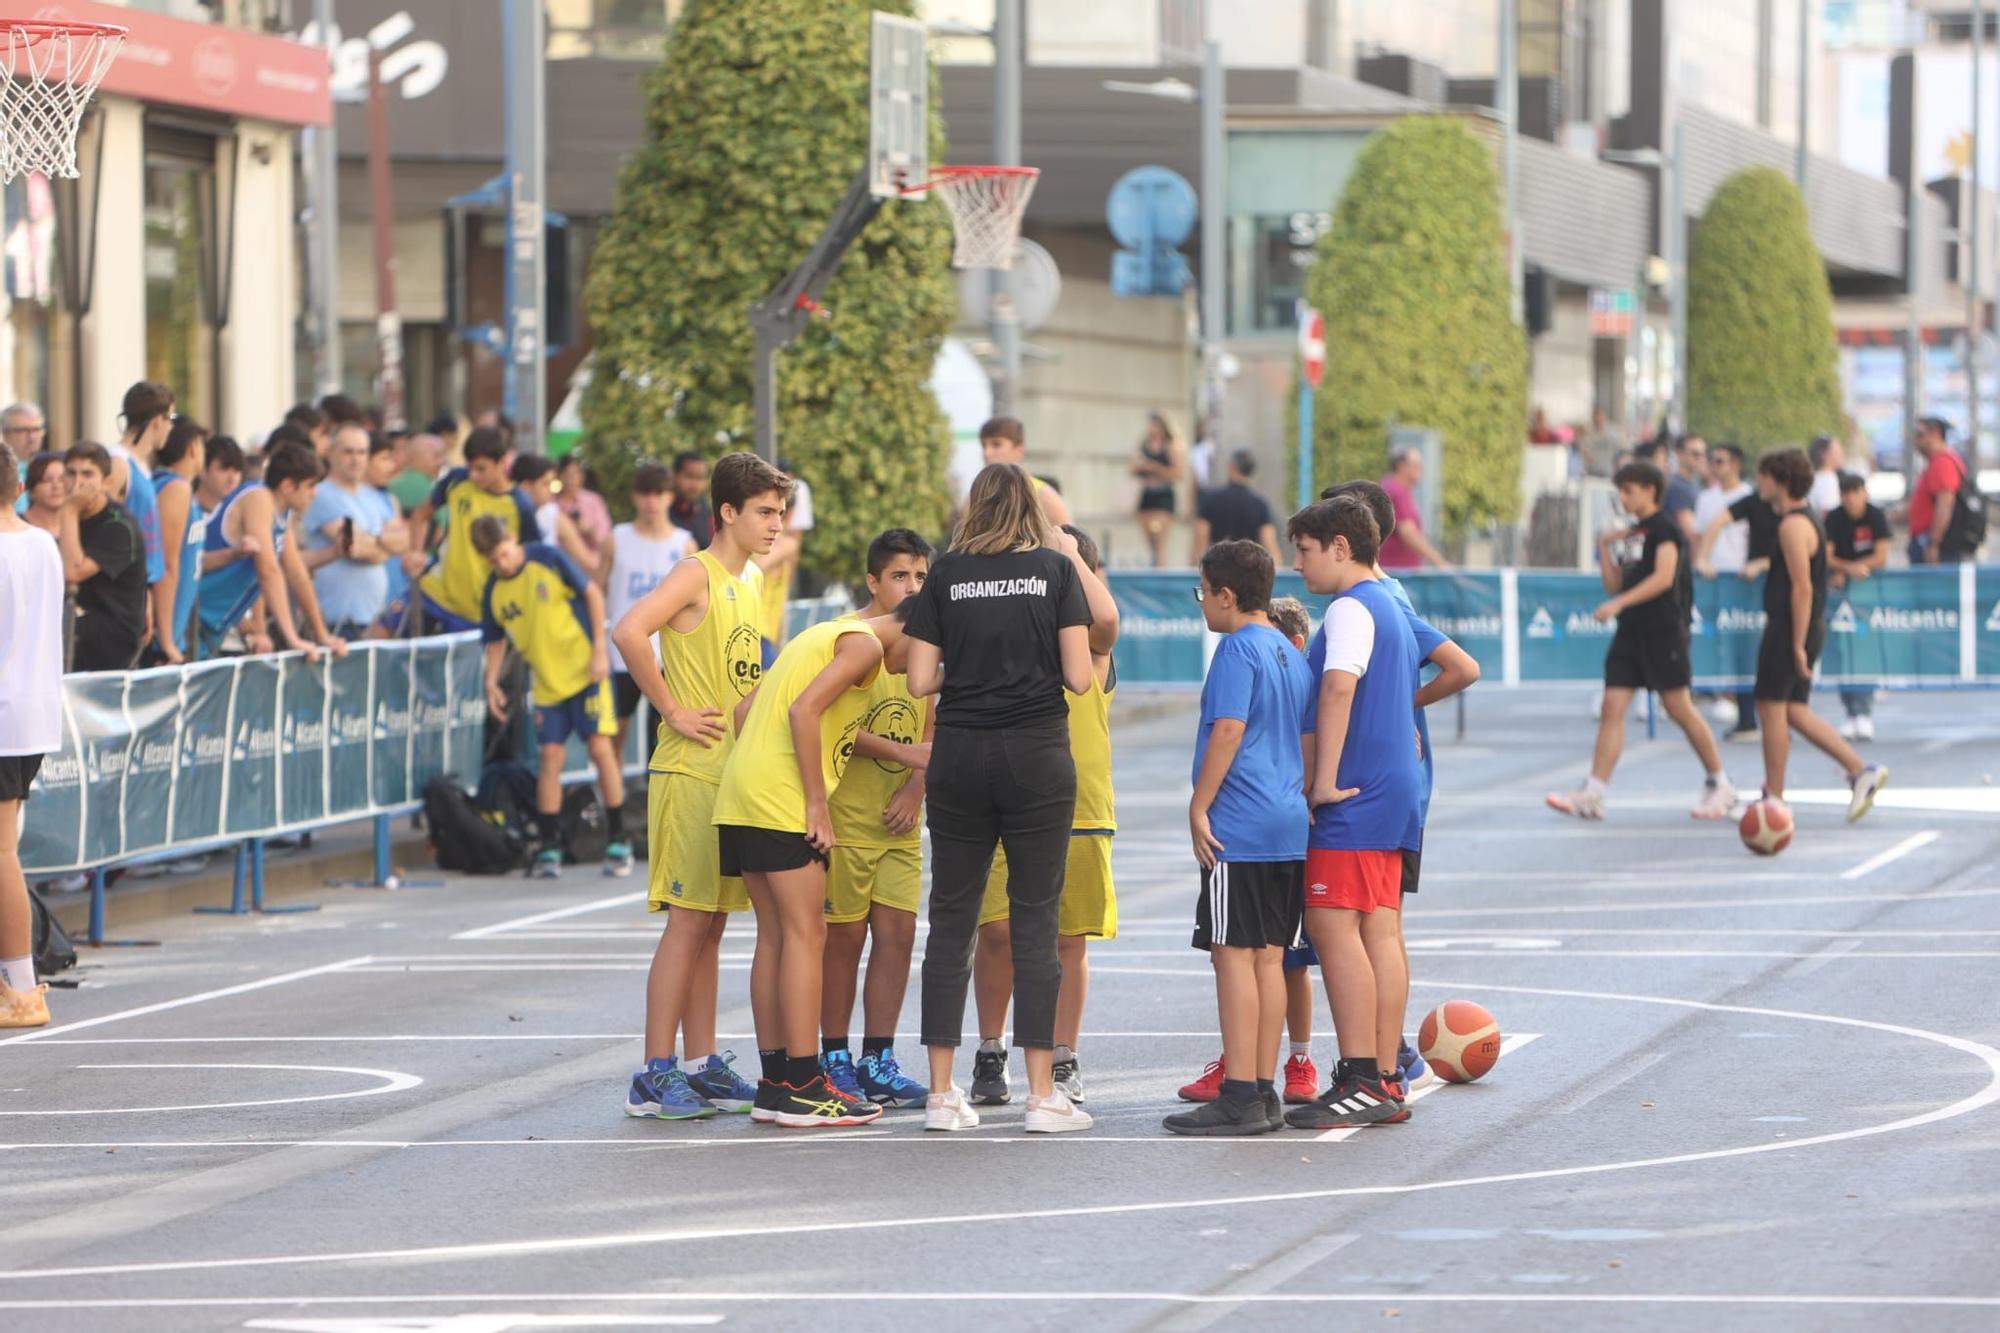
[820,1105]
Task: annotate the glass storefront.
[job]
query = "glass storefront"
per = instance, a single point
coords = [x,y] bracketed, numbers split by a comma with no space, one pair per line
[180,329]
[29,334]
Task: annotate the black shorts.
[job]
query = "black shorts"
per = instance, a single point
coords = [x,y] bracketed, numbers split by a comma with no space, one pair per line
[1778,678]
[625,695]
[1156,500]
[763,851]
[1648,662]
[1251,905]
[1413,869]
[17,774]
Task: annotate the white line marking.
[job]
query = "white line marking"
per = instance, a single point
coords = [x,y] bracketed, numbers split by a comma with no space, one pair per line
[1978,1100]
[184,1000]
[1896,853]
[1939,800]
[1509,1043]
[492,1322]
[307,1040]
[1390,1298]
[392,1081]
[1704,905]
[578,909]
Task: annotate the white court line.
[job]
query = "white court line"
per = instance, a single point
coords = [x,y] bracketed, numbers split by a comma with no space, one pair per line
[184,1000]
[1002,1298]
[1978,1100]
[1937,800]
[578,909]
[392,1081]
[1896,853]
[1703,904]
[309,1039]
[1509,1043]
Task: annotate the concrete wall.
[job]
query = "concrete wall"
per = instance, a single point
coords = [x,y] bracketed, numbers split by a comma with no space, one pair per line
[113,350]
[1562,364]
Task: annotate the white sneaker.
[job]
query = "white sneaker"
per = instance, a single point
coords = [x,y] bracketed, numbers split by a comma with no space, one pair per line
[1864,727]
[1723,711]
[1055,1114]
[1850,729]
[1866,783]
[1716,802]
[947,1111]
[76,883]
[1584,803]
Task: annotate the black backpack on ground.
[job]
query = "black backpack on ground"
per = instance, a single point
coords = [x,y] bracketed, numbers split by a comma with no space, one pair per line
[585,833]
[53,951]
[466,838]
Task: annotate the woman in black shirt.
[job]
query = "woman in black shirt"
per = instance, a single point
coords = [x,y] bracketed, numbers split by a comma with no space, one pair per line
[1000,630]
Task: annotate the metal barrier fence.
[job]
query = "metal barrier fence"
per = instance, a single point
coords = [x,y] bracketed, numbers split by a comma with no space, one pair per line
[1902,628]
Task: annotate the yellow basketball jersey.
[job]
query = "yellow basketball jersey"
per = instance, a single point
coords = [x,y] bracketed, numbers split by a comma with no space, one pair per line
[777,587]
[458,579]
[761,787]
[892,713]
[1090,746]
[543,611]
[712,666]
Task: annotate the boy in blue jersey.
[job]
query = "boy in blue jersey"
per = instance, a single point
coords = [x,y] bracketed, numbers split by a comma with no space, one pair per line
[1365,782]
[537,599]
[251,559]
[1248,822]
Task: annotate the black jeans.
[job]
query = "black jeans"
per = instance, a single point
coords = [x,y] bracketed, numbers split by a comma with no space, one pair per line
[1015,787]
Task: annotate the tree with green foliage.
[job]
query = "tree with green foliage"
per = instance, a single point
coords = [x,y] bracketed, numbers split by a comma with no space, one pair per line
[755,125]
[1412,279]
[1762,367]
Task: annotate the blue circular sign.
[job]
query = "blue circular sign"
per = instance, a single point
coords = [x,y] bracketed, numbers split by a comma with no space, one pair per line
[1151,205]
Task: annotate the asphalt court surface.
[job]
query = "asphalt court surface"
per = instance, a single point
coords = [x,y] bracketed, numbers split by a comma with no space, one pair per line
[1738,1092]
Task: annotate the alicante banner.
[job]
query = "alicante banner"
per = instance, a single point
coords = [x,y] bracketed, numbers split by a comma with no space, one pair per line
[246,747]
[1931,626]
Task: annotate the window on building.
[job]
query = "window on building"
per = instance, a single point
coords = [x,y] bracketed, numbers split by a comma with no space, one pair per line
[609,29]
[179,215]
[29,345]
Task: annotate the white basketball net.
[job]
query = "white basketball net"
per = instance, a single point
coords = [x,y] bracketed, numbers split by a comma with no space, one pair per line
[986,209]
[46,79]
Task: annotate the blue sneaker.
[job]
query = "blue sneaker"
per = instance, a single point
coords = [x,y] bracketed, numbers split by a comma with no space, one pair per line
[839,1067]
[884,1082]
[548,864]
[1411,1069]
[660,1091]
[718,1083]
[618,860]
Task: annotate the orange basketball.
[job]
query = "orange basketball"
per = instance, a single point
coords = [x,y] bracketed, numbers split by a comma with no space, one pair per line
[1766,826]
[1460,1040]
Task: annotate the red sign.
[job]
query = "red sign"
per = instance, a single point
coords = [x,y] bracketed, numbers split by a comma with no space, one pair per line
[1312,346]
[208,66]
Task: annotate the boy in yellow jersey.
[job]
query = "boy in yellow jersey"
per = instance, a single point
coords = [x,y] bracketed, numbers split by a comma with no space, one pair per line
[877,873]
[780,565]
[705,614]
[1089,906]
[540,601]
[796,736]
[449,593]
[1005,440]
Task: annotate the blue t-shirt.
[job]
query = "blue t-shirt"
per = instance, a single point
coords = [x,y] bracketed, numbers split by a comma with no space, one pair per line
[228,590]
[192,539]
[144,507]
[399,579]
[348,590]
[1428,640]
[1260,680]
[1379,756]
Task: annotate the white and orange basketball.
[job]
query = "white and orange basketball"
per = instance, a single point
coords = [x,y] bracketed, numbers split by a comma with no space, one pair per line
[1766,826]
[1460,1040]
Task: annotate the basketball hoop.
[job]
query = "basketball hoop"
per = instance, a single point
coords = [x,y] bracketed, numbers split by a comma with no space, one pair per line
[48,70]
[986,206]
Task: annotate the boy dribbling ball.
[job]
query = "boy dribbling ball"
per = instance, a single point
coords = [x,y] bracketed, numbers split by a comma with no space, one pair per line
[1248,823]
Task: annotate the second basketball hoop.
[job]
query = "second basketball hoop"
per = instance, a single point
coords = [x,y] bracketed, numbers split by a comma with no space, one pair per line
[987,205]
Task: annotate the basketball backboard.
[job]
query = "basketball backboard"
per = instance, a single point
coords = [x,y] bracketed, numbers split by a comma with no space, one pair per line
[899,88]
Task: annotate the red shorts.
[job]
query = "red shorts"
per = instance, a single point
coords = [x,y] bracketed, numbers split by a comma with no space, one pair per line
[1355,881]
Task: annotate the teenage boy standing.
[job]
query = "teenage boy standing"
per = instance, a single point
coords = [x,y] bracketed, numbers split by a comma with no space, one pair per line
[1248,820]
[537,599]
[253,554]
[876,876]
[637,559]
[1859,534]
[1365,781]
[709,659]
[104,556]
[1645,569]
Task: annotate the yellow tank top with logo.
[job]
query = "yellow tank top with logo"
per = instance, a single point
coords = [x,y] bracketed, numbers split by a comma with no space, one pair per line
[1090,746]
[761,786]
[712,666]
[777,585]
[892,713]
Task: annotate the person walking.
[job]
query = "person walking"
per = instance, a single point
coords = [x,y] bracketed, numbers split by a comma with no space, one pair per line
[1159,463]
[999,632]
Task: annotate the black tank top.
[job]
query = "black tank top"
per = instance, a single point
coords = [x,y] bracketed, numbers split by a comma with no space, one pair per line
[1778,583]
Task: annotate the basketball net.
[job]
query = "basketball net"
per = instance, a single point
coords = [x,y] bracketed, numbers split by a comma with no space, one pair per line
[987,204]
[48,72]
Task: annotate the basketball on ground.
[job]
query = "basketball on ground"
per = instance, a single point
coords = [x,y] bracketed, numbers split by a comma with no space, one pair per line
[1460,1040]
[1766,826]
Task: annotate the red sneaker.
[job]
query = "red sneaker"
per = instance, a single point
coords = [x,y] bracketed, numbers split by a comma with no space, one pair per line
[1301,1080]
[1206,1088]
[1400,1092]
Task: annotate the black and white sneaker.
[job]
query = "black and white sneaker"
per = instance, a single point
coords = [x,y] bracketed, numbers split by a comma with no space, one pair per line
[1351,1101]
[1225,1116]
[989,1075]
[1069,1074]
[1274,1109]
